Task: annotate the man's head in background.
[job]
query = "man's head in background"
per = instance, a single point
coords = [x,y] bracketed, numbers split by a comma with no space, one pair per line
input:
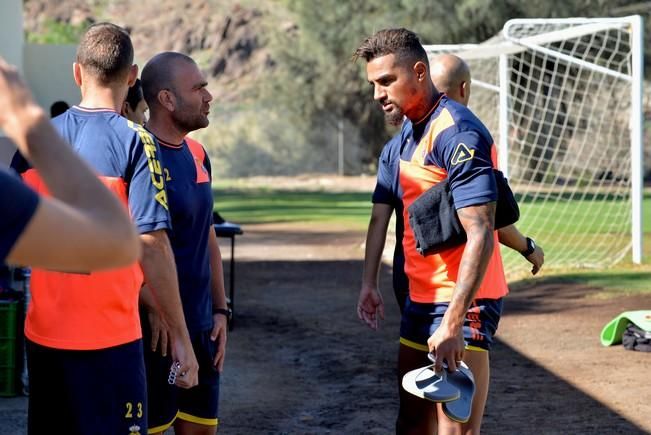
[105,59]
[135,106]
[451,75]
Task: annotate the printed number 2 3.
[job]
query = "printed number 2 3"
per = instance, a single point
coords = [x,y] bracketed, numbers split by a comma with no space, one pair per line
[129,413]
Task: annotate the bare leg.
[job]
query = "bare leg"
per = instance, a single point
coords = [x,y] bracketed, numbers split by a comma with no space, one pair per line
[416,416]
[479,363]
[182,427]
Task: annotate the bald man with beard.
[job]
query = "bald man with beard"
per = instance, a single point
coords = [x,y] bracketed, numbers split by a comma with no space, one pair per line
[176,92]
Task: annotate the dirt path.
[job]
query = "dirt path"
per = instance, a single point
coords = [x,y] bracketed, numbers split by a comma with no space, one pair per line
[300,362]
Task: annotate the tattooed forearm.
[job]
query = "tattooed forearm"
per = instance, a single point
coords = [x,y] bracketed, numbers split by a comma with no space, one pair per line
[478,222]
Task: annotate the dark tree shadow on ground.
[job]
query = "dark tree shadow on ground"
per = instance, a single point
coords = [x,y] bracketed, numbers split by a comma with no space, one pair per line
[527,398]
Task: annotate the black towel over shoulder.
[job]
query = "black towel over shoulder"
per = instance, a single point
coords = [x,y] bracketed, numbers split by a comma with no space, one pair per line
[436,225]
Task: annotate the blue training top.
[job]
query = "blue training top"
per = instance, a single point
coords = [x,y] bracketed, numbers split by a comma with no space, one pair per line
[18,204]
[448,143]
[463,149]
[388,191]
[120,152]
[188,179]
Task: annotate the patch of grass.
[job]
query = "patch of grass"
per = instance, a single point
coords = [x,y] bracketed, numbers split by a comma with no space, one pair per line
[255,206]
[625,278]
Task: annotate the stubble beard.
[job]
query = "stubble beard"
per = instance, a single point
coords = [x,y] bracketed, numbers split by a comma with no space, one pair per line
[192,123]
[187,121]
[395,117]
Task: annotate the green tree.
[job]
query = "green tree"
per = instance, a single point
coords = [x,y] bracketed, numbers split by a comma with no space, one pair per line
[316,81]
[56,32]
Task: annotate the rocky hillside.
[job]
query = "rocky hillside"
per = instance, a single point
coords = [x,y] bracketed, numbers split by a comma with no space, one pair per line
[225,38]
[231,42]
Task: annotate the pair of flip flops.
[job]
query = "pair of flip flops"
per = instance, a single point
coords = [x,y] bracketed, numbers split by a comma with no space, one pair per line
[454,390]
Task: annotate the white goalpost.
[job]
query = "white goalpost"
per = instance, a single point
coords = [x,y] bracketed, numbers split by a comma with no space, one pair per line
[563,100]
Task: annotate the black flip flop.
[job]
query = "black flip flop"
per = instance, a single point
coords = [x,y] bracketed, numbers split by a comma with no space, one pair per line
[459,410]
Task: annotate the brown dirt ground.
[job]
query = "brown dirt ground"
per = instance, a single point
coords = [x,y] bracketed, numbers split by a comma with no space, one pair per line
[300,362]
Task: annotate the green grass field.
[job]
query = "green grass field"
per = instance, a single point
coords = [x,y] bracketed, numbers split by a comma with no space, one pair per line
[256,206]
[582,225]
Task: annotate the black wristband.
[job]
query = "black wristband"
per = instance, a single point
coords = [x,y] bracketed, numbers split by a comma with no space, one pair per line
[225,311]
[531,247]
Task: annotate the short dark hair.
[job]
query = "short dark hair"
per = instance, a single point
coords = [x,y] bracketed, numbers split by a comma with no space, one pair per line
[58,107]
[402,43]
[135,94]
[106,52]
[159,74]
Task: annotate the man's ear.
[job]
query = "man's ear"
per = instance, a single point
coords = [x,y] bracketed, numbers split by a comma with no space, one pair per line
[420,69]
[463,89]
[133,74]
[167,100]
[76,73]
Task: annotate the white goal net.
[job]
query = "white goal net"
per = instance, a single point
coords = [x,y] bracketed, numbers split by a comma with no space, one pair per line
[562,99]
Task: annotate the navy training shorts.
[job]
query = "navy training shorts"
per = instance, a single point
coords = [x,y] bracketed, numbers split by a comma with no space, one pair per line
[166,402]
[420,320]
[101,391]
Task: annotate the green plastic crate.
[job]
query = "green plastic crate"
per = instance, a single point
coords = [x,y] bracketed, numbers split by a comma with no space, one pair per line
[7,352]
[8,326]
[8,318]
[8,381]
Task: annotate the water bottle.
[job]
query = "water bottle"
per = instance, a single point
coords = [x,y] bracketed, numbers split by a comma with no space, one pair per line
[24,376]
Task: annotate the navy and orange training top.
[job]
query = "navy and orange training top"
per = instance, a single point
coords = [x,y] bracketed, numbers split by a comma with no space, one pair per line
[187,177]
[449,142]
